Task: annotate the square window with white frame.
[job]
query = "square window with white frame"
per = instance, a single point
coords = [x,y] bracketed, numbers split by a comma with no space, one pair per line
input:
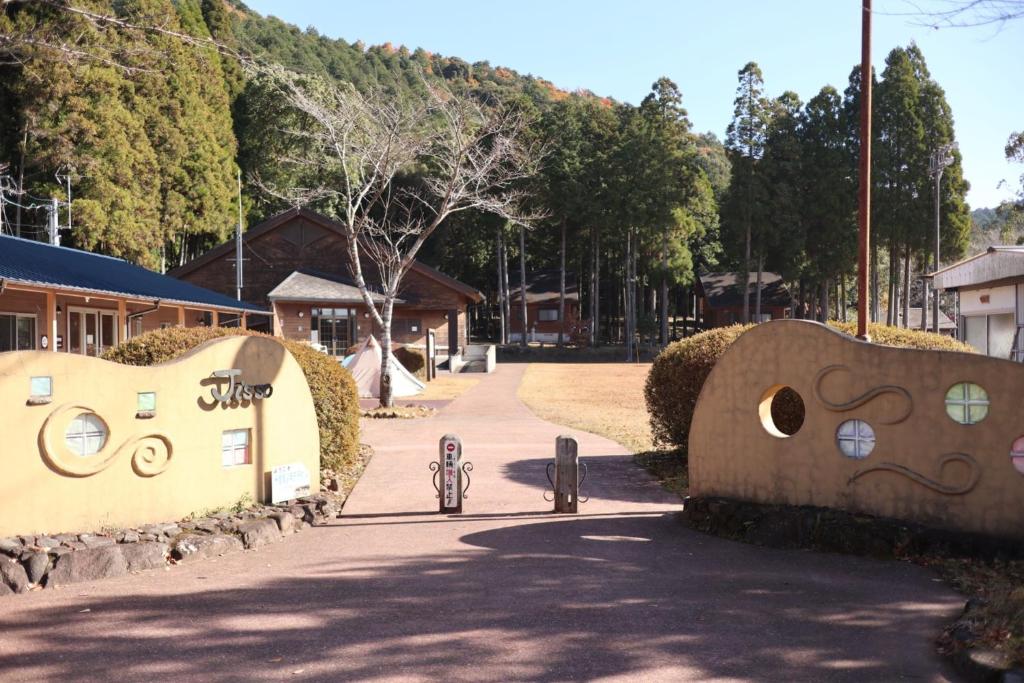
[547,315]
[234,448]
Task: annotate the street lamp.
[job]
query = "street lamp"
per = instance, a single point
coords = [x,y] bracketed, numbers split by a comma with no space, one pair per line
[940,159]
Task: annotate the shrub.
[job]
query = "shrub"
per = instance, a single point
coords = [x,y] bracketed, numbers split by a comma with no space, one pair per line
[414,360]
[335,397]
[678,375]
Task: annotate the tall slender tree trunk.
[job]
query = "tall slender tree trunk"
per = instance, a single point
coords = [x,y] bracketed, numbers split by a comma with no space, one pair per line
[824,302]
[663,299]
[595,324]
[757,295]
[891,313]
[746,275]
[522,282]
[874,283]
[627,267]
[507,292]
[386,390]
[23,147]
[842,296]
[502,339]
[561,293]
[906,287]
[802,311]
[924,294]
[634,290]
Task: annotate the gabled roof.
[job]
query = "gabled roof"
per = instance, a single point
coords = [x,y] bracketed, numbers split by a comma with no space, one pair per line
[29,262]
[995,263]
[725,290]
[327,223]
[543,286]
[311,286]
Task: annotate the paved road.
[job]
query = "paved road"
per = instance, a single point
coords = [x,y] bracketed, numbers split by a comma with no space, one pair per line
[393,591]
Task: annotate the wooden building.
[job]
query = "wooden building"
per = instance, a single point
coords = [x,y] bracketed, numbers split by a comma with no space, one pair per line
[542,298]
[296,265]
[720,298]
[61,299]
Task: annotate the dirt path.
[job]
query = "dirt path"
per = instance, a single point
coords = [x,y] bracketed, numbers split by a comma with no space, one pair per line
[506,591]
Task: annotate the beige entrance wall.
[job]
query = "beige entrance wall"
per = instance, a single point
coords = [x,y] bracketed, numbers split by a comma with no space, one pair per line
[151,468]
[925,466]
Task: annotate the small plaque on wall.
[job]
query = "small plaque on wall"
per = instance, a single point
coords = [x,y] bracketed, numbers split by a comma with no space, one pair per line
[288,482]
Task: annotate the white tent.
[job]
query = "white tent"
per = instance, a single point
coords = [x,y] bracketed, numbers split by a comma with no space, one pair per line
[364,365]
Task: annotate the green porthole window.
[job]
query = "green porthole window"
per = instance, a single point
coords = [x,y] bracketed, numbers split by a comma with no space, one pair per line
[967,403]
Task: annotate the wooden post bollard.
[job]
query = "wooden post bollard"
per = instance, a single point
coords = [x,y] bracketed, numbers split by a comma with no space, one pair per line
[449,459]
[567,474]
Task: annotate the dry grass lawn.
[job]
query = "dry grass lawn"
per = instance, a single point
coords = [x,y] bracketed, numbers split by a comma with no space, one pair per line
[444,387]
[602,398]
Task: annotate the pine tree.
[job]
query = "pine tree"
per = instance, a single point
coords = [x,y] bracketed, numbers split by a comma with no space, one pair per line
[745,139]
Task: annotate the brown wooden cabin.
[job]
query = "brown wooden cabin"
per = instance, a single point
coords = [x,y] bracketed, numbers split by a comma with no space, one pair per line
[720,298]
[542,297]
[296,265]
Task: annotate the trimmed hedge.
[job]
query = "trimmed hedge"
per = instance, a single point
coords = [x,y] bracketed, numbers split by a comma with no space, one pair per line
[679,371]
[414,360]
[335,396]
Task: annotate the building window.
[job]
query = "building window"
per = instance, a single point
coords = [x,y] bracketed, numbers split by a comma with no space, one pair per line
[334,328]
[41,387]
[17,332]
[407,327]
[547,315]
[1017,454]
[856,439]
[234,448]
[86,434]
[967,403]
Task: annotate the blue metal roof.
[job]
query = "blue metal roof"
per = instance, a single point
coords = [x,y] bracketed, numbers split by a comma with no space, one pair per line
[37,263]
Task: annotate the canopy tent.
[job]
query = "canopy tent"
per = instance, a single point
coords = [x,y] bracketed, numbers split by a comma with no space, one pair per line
[364,365]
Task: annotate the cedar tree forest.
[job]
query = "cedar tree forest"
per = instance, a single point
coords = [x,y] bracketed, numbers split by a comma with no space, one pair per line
[150,132]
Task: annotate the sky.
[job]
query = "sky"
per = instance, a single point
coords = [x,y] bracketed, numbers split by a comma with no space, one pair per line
[619,49]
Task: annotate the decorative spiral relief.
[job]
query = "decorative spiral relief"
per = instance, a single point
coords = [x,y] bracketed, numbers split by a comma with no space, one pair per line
[974,474]
[150,453]
[866,397]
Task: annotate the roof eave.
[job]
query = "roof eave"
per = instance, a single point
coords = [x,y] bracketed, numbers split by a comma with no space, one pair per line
[134,296]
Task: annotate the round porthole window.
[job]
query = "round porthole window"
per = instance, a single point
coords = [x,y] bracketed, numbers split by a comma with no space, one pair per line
[967,403]
[781,411]
[855,438]
[86,434]
[1017,454]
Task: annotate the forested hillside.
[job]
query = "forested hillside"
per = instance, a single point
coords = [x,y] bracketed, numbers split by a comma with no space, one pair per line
[152,133]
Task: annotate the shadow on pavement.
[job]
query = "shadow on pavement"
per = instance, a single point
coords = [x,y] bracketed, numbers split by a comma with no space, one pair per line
[609,477]
[576,598]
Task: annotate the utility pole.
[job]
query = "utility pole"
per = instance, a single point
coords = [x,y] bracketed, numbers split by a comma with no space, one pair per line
[238,243]
[864,189]
[941,158]
[65,179]
[51,222]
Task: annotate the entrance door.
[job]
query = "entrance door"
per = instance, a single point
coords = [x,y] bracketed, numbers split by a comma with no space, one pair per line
[453,332]
[91,331]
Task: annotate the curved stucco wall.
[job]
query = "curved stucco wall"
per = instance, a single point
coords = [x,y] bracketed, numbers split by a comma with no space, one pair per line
[924,466]
[152,468]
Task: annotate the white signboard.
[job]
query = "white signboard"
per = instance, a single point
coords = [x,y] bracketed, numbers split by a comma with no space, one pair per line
[450,481]
[288,482]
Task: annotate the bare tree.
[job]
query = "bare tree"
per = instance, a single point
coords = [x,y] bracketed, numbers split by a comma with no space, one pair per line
[962,13]
[397,167]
